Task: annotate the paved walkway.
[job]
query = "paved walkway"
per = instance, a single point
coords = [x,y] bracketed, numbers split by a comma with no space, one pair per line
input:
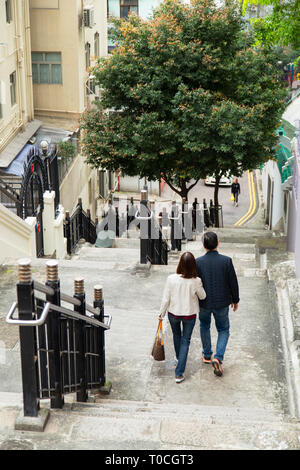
[247,408]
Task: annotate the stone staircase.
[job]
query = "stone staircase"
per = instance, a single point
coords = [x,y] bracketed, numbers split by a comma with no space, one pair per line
[248,408]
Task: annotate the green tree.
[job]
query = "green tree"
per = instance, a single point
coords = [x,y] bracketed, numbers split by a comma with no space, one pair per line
[188,97]
[281,27]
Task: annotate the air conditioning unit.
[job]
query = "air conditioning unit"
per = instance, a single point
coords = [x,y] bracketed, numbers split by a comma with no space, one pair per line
[89,16]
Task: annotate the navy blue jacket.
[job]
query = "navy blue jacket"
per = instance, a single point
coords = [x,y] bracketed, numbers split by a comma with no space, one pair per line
[219,280]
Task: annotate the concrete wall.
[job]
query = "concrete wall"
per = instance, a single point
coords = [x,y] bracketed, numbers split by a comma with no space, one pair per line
[292,222]
[135,185]
[271,169]
[81,182]
[17,236]
[75,185]
[15,56]
[295,226]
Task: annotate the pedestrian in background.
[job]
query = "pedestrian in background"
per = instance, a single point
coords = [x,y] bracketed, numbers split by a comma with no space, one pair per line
[221,287]
[236,191]
[181,300]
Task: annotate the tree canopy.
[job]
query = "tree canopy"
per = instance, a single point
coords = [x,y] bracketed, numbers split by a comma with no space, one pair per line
[281,27]
[184,95]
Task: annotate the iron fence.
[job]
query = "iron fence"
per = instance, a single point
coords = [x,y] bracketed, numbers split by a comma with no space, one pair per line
[62,350]
[79,226]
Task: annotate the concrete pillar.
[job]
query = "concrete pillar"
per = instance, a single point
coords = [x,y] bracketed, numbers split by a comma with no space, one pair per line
[54,241]
[48,219]
[31,221]
[60,241]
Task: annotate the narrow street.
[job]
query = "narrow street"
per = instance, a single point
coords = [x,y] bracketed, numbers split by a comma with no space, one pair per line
[201,191]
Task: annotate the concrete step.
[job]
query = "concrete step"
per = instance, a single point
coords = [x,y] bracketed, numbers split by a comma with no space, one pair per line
[243,256]
[143,425]
[100,407]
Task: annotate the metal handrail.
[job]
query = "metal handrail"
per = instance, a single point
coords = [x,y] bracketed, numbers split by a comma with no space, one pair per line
[143,218]
[56,308]
[175,218]
[39,322]
[78,316]
[48,290]
[69,299]
[42,288]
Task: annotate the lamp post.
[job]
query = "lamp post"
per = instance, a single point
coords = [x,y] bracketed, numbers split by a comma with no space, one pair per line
[45,152]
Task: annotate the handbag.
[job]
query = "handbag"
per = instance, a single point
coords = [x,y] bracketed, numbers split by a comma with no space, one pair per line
[158,350]
[232,197]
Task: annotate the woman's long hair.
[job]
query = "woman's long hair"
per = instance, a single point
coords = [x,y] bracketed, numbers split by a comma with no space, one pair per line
[187,266]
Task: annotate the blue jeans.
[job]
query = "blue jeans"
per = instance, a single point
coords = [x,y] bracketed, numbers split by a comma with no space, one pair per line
[222,324]
[181,339]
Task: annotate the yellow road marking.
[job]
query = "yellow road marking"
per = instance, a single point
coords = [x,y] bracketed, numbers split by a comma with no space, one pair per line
[252,206]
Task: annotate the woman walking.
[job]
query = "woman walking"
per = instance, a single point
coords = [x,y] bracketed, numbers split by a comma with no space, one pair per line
[181,300]
[236,190]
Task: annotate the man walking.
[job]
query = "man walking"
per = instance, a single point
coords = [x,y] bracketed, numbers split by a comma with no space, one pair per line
[222,290]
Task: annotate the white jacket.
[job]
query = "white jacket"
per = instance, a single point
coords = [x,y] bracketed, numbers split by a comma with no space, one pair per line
[181,296]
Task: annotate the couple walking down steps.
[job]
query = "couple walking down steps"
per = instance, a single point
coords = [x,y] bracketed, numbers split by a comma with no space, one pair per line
[204,286]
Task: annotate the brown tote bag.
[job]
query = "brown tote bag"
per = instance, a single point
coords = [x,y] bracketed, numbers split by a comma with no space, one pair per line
[158,351]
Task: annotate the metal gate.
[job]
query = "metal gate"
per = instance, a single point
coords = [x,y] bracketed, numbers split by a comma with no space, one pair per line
[34,184]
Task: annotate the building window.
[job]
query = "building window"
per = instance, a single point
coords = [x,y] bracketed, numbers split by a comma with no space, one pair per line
[97,45]
[12,83]
[127,7]
[8,10]
[90,87]
[46,68]
[87,55]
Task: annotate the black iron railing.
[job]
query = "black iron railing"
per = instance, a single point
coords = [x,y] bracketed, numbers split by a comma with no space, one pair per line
[10,194]
[62,350]
[213,215]
[153,246]
[79,226]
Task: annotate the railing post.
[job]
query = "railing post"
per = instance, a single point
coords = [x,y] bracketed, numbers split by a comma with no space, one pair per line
[25,295]
[54,340]
[212,213]
[144,228]
[160,239]
[81,340]
[68,232]
[80,223]
[117,222]
[206,214]
[173,214]
[176,232]
[99,303]
[88,235]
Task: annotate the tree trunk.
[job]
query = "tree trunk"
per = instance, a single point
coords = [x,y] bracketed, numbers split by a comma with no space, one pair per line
[184,192]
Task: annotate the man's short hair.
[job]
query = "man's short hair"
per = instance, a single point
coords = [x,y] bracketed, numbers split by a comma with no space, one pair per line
[210,240]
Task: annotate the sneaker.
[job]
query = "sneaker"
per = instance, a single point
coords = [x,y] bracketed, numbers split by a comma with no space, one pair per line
[217,365]
[179,379]
[206,360]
